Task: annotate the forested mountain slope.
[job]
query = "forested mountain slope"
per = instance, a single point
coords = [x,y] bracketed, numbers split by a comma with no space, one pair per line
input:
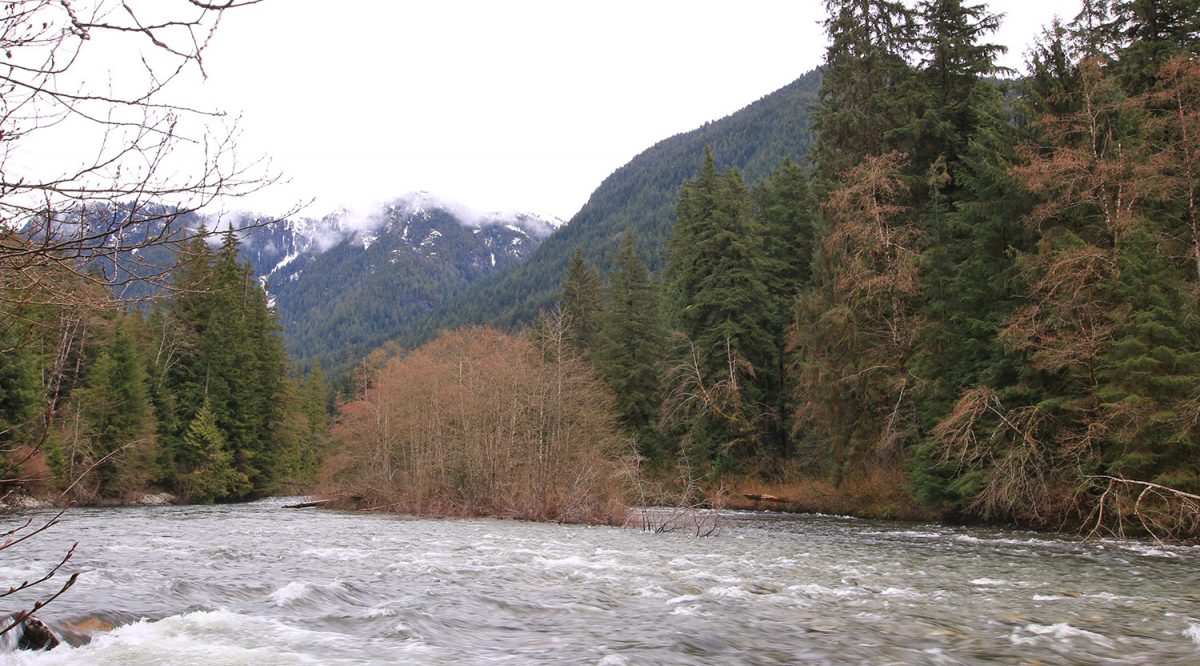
[639,196]
[343,284]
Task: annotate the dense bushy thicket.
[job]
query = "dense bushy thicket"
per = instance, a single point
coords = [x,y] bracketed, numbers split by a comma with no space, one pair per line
[480,422]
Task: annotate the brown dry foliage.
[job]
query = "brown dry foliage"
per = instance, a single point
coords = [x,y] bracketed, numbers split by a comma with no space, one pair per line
[1067,322]
[480,422]
[1021,475]
[1127,506]
[855,340]
[874,491]
[1174,125]
[1084,165]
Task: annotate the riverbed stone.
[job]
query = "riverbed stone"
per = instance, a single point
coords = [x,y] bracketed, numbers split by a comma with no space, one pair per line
[35,635]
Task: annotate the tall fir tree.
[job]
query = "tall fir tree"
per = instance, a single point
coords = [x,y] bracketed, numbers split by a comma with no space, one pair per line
[117,409]
[864,106]
[788,213]
[721,305]
[632,348]
[581,301]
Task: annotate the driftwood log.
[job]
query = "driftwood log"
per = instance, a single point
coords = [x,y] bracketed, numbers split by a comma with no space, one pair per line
[305,505]
[766,498]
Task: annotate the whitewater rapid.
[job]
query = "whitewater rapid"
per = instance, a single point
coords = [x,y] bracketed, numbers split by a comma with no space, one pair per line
[258,584]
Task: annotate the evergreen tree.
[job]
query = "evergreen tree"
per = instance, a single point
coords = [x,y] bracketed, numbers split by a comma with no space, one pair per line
[969,208]
[857,330]
[229,353]
[632,348]
[864,107]
[581,301]
[788,213]
[209,471]
[1150,371]
[721,305]
[1152,32]
[20,383]
[117,408]
[955,64]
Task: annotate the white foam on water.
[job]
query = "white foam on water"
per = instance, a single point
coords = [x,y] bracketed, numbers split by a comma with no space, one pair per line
[339,554]
[1060,631]
[903,592]
[201,638]
[918,534]
[815,590]
[293,591]
[989,582]
[729,592]
[1150,551]
[1193,632]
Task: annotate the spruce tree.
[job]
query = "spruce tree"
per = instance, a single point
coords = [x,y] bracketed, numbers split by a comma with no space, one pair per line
[20,381]
[864,106]
[788,213]
[209,472]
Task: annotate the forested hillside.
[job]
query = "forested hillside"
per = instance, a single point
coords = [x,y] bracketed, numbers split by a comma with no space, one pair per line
[343,285]
[191,393]
[638,197]
[980,303]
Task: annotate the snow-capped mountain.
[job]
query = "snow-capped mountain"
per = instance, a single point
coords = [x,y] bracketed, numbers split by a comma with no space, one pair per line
[347,281]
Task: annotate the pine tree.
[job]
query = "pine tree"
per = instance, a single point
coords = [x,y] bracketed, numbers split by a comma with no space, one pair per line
[1150,370]
[857,330]
[788,213]
[1153,32]
[864,104]
[20,384]
[117,409]
[230,354]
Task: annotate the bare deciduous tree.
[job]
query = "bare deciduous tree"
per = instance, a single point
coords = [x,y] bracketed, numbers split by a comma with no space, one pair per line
[141,159]
[479,422]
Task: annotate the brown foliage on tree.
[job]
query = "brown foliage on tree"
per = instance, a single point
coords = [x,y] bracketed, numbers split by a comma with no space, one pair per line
[1106,351]
[856,336]
[1014,471]
[479,422]
[1173,125]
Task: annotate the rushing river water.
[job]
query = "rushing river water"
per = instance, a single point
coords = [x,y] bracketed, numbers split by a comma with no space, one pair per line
[256,584]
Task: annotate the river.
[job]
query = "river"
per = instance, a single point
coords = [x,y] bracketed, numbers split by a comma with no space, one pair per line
[258,584]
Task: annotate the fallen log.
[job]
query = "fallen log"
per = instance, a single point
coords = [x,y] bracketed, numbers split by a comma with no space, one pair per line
[766,498]
[305,505]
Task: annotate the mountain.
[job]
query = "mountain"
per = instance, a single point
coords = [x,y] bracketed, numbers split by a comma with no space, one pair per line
[639,196]
[343,284]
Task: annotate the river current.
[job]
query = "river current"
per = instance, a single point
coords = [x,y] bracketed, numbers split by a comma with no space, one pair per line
[258,584]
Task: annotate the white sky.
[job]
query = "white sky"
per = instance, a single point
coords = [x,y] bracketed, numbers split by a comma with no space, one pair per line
[516,105]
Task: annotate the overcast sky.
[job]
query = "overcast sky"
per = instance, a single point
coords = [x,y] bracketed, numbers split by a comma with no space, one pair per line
[517,105]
